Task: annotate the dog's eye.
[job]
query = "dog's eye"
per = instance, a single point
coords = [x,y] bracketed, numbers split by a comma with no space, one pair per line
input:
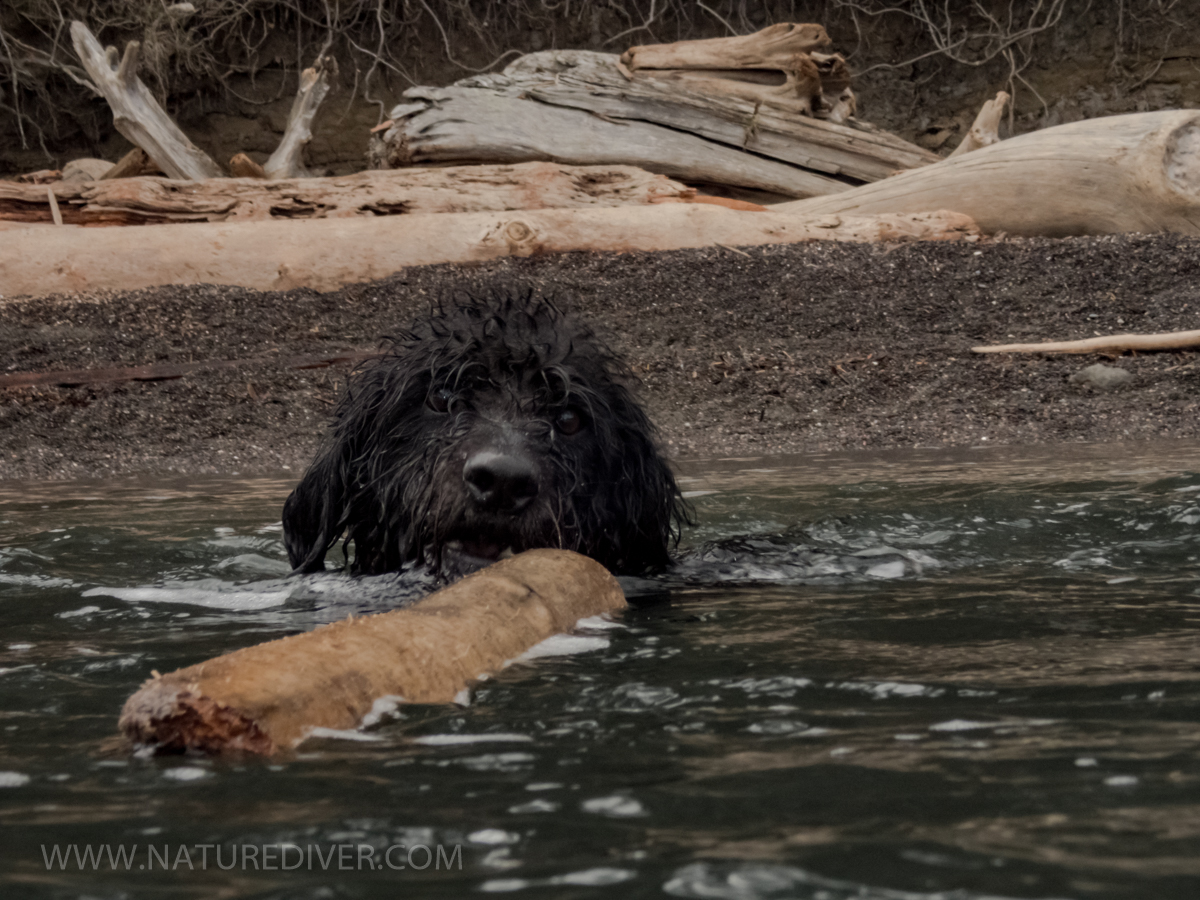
[569,421]
[439,400]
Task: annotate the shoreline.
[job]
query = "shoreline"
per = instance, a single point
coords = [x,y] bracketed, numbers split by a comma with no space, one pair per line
[798,348]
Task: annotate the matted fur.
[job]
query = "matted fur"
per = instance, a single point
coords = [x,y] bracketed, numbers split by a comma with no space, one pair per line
[502,374]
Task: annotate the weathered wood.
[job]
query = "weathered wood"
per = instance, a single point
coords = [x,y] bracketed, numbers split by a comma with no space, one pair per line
[489,117]
[1115,343]
[136,113]
[1130,173]
[242,166]
[138,201]
[285,162]
[134,163]
[985,130]
[324,254]
[772,48]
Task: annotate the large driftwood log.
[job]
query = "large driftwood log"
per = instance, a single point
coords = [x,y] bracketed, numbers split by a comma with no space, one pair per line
[136,113]
[588,112]
[1130,173]
[139,201]
[772,48]
[327,253]
[285,162]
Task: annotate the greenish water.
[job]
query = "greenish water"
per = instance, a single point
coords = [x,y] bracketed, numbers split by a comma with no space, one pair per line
[928,675]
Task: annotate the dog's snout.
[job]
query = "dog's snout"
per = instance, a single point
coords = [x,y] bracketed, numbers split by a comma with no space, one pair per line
[500,482]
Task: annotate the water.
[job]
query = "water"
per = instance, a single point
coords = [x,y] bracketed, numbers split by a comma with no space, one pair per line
[927,675]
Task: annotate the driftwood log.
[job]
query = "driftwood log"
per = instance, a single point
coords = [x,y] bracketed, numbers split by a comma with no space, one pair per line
[578,107]
[780,66]
[270,697]
[136,114]
[1129,173]
[138,201]
[1115,343]
[324,254]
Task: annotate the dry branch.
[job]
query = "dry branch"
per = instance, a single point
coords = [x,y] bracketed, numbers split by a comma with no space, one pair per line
[324,254]
[1171,340]
[314,85]
[1130,173]
[985,130]
[270,697]
[138,201]
[136,113]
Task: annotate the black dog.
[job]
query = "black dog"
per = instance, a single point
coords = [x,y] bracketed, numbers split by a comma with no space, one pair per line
[495,425]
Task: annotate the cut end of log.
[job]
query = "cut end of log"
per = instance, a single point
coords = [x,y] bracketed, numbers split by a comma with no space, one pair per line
[174,719]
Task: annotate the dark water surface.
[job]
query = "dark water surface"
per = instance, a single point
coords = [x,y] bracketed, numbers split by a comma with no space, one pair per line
[929,675]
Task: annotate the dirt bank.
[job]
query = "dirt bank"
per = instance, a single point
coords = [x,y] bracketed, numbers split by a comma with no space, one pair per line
[779,349]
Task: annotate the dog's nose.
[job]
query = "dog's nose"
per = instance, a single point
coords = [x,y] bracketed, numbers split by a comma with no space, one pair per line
[500,482]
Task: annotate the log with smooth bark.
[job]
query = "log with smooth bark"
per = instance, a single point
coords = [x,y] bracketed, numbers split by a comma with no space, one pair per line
[773,47]
[268,698]
[1131,173]
[136,114]
[662,120]
[324,254]
[137,201]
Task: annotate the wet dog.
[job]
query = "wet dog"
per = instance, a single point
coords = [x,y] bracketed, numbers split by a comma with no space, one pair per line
[493,426]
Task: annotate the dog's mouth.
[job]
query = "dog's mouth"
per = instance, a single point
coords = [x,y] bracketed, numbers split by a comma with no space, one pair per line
[482,548]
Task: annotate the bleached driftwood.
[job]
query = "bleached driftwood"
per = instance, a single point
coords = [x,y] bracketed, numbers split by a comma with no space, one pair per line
[326,253]
[587,112]
[139,201]
[136,113]
[985,130]
[314,85]
[779,66]
[1130,173]
[773,47]
[134,163]
[1116,343]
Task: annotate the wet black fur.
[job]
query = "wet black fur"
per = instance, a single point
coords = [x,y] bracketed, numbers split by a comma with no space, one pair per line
[503,368]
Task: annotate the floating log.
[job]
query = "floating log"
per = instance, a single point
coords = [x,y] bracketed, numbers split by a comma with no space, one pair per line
[585,111]
[1129,173]
[139,201]
[268,698]
[136,114]
[1116,343]
[324,254]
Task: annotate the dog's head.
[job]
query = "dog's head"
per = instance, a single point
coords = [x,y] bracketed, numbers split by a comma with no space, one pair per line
[493,426]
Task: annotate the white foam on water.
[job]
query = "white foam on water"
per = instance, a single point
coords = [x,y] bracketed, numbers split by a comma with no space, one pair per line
[209,593]
[451,740]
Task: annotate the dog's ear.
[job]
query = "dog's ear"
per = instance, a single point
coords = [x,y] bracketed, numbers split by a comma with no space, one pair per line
[313,515]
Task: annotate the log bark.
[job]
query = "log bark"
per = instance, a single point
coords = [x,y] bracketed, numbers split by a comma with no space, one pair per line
[985,130]
[325,254]
[658,120]
[136,113]
[137,201]
[285,162]
[268,698]
[1116,343]
[1129,173]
